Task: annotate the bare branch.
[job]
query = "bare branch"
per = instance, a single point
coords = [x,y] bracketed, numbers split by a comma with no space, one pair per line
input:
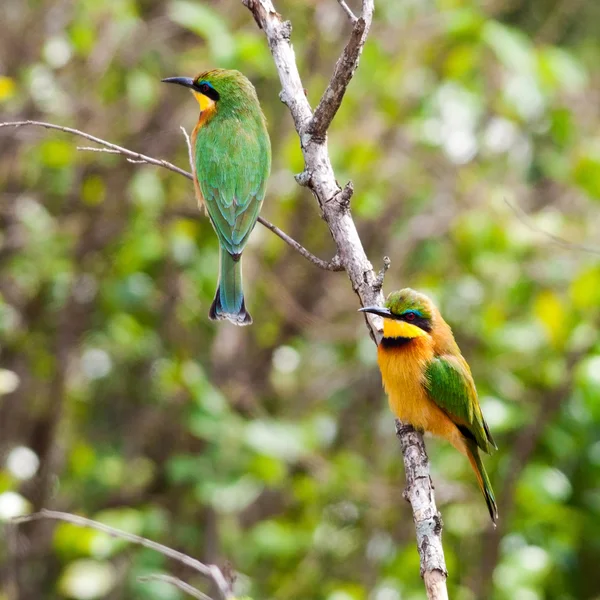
[319,177]
[210,571]
[343,72]
[333,265]
[348,11]
[117,149]
[178,583]
[555,239]
[188,142]
[428,521]
[136,158]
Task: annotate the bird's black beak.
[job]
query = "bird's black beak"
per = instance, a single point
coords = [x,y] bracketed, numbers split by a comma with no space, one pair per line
[377,310]
[187,82]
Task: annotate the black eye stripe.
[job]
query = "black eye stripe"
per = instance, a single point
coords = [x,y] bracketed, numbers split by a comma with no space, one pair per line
[208,90]
[418,321]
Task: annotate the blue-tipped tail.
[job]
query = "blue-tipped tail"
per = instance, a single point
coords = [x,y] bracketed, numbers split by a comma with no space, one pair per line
[229,298]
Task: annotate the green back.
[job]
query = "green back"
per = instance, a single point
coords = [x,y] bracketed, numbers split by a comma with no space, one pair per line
[450,385]
[233,159]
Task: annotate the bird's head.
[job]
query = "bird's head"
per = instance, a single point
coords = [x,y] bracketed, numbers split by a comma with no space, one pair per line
[217,88]
[406,314]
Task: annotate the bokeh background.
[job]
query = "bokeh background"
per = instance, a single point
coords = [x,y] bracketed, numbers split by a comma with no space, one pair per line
[472,135]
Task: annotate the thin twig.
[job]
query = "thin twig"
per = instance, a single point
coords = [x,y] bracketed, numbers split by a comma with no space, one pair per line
[210,571]
[118,149]
[137,158]
[178,583]
[92,149]
[342,74]
[333,265]
[381,275]
[555,239]
[188,142]
[348,11]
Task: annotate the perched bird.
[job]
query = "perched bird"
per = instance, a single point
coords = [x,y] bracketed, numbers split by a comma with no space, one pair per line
[232,161]
[428,382]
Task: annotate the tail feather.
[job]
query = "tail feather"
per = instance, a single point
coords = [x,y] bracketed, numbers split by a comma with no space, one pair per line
[229,298]
[482,478]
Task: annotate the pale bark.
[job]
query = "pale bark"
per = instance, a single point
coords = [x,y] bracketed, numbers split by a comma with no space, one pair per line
[319,177]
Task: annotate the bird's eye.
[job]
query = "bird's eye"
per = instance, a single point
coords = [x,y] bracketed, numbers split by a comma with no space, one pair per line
[204,88]
[410,316]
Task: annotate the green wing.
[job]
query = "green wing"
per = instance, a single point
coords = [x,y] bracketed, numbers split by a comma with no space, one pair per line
[233,160]
[450,385]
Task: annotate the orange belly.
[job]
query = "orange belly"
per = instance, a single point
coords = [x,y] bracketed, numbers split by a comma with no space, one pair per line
[402,371]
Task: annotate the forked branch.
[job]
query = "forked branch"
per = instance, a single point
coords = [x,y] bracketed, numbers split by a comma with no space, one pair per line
[319,177]
[347,10]
[344,71]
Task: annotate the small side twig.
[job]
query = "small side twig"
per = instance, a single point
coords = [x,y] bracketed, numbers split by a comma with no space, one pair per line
[343,72]
[333,265]
[348,11]
[117,149]
[378,285]
[210,571]
[343,198]
[176,582]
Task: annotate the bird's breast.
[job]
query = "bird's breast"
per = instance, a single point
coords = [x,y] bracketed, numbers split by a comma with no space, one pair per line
[403,370]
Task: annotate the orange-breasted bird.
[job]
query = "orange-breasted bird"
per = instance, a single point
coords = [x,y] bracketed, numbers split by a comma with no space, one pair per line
[428,382]
[232,161]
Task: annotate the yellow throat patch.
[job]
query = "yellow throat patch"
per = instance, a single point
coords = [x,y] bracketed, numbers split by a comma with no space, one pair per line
[206,103]
[401,329]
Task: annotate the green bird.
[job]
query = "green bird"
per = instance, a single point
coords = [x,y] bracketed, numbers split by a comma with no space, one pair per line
[428,382]
[232,162]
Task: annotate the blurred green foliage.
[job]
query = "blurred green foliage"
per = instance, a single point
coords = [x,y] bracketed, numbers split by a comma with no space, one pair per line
[469,130]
